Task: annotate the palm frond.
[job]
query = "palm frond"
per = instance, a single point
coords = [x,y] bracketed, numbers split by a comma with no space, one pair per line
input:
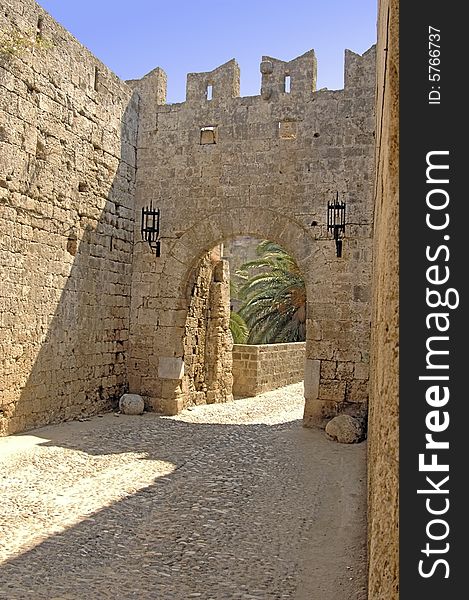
[238,327]
[273,296]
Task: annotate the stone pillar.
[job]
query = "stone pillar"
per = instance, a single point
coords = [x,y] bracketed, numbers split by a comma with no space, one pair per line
[219,344]
[207,338]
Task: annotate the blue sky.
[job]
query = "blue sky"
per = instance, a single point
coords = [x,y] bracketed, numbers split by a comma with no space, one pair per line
[132,38]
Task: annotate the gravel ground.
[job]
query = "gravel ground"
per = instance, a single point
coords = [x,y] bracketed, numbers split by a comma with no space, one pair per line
[223,502]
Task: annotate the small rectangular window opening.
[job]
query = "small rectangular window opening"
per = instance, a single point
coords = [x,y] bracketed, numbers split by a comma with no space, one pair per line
[209,91]
[287,84]
[209,134]
[96,78]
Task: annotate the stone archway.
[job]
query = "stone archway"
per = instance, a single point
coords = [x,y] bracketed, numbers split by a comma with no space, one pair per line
[336,341]
[219,366]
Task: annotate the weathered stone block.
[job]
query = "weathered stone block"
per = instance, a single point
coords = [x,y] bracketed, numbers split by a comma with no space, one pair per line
[328,369]
[332,390]
[312,378]
[131,404]
[166,406]
[345,429]
[170,367]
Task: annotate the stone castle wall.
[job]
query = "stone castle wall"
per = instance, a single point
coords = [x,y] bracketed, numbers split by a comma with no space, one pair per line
[263,166]
[383,454]
[260,368]
[87,309]
[67,174]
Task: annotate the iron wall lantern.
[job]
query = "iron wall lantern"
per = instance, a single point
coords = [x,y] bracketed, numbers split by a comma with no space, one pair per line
[151,228]
[336,222]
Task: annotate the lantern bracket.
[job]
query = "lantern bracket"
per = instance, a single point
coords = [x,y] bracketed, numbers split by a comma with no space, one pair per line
[336,222]
[151,228]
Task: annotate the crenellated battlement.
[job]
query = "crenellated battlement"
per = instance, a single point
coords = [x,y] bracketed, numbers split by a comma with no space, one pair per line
[223,82]
[296,78]
[359,68]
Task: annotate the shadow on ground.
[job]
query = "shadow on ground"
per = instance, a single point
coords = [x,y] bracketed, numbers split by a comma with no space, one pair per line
[249,511]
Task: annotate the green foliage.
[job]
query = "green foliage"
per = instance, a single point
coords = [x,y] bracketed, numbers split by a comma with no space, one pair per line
[17,43]
[274,297]
[239,329]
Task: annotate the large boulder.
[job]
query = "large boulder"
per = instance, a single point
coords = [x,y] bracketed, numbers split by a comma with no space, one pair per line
[345,429]
[131,404]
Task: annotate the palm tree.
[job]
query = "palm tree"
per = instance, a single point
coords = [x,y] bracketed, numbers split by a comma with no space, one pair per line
[274,297]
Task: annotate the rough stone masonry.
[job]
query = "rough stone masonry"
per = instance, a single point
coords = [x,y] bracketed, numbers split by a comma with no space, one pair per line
[67,176]
[87,311]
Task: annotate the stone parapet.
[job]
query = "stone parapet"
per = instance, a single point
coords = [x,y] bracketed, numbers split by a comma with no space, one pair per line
[260,368]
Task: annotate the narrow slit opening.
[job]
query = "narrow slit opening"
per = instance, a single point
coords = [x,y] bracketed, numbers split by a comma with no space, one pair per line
[40,23]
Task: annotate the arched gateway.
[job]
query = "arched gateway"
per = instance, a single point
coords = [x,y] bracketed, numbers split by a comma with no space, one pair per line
[219,166]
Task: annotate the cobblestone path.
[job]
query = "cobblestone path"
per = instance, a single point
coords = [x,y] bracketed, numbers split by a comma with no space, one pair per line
[224,502]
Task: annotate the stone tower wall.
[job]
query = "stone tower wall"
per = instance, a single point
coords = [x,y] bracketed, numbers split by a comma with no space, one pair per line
[67,171]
